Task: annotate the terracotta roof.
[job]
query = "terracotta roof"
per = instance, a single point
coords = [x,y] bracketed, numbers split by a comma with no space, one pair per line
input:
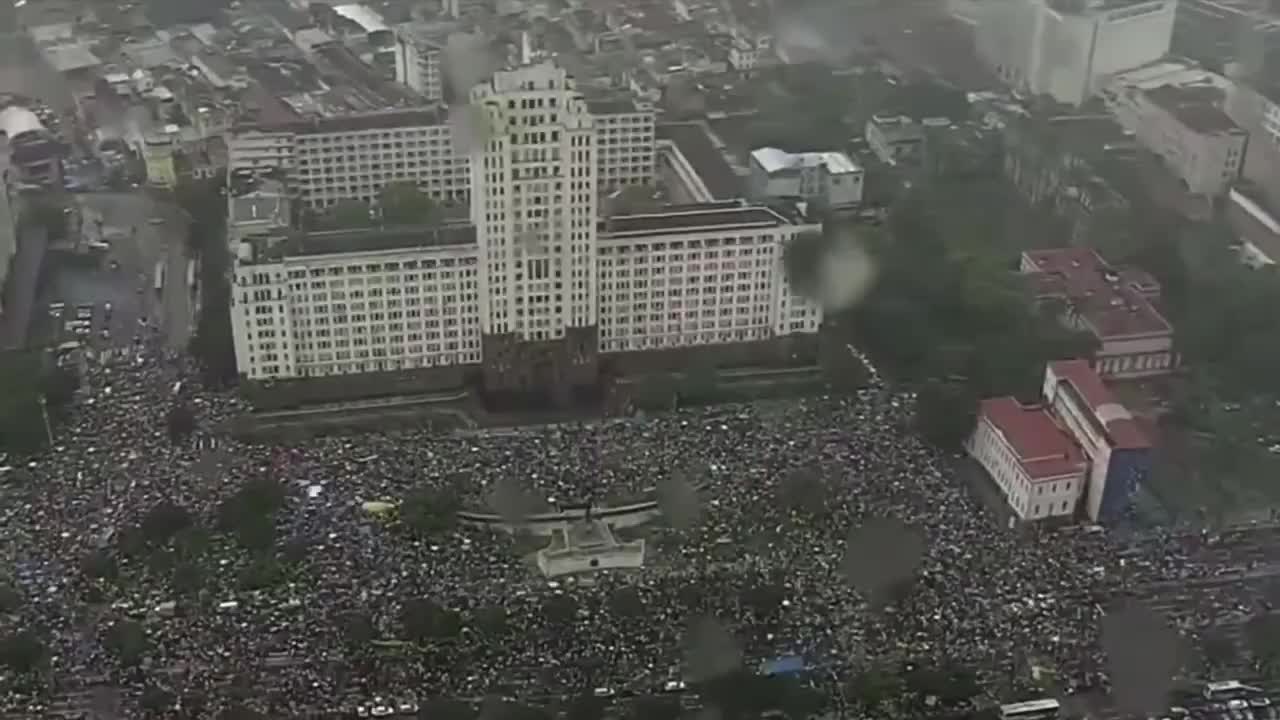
[1113,303]
[1044,450]
[1120,425]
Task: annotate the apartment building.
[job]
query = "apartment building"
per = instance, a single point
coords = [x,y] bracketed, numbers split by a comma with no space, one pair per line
[355,156]
[699,275]
[343,302]
[625,142]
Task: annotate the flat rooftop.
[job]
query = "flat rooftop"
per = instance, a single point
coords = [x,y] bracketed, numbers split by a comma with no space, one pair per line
[1195,107]
[611,105]
[693,141]
[271,248]
[1116,420]
[384,120]
[1043,449]
[1113,303]
[675,221]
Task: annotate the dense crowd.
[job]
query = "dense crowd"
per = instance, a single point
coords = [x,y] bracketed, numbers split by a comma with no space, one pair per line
[772,553]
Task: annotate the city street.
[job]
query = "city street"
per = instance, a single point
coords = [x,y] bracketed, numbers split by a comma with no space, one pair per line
[125,274]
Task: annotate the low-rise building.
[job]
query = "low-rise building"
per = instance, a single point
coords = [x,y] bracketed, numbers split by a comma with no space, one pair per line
[1077,449]
[896,139]
[1114,305]
[830,179]
[1118,450]
[1185,126]
[1035,464]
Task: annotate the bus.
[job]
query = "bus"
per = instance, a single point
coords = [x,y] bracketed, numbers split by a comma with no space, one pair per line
[1229,690]
[1047,709]
[159,276]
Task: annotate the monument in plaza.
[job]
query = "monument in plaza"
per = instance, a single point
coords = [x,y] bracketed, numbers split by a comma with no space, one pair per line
[587,545]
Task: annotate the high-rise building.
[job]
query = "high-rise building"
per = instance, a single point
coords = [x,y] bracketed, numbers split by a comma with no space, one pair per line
[533,204]
[1067,49]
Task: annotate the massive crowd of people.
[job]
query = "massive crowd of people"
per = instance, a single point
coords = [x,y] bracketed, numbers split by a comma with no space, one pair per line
[807,514]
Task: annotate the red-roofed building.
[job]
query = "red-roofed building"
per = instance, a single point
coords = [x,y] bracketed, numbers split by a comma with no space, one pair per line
[1031,458]
[1115,305]
[1119,451]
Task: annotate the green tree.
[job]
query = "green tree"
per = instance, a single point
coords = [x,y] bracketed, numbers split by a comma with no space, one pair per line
[164,521]
[357,630]
[100,565]
[345,215]
[945,413]
[10,598]
[871,689]
[262,572]
[128,641]
[180,422]
[423,620]
[23,652]
[402,203]
[655,707]
[430,512]
[655,392]
[156,700]
[1263,635]
[211,344]
[585,706]
[491,620]
[626,602]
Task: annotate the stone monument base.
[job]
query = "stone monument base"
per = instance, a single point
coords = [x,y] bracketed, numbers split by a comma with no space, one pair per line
[588,546]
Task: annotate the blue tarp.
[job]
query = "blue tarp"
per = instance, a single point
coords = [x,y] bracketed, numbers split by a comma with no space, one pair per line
[786,665]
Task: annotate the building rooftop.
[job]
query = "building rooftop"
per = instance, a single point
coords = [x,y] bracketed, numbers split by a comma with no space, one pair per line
[681,219]
[275,247]
[387,120]
[367,18]
[1114,304]
[1195,107]
[1115,418]
[694,141]
[1043,449]
[773,160]
[605,105]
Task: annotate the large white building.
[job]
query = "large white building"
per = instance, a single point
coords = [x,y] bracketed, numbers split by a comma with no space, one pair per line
[625,142]
[355,156]
[349,302]
[1067,49]
[533,202]
[535,279]
[699,275]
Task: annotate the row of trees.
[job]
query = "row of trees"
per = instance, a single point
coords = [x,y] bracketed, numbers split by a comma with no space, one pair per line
[212,344]
[946,314]
[24,404]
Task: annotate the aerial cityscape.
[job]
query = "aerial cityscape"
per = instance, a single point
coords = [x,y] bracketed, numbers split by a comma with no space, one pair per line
[640,359]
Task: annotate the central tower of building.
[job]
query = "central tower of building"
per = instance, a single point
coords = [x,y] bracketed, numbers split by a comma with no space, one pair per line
[533,203]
